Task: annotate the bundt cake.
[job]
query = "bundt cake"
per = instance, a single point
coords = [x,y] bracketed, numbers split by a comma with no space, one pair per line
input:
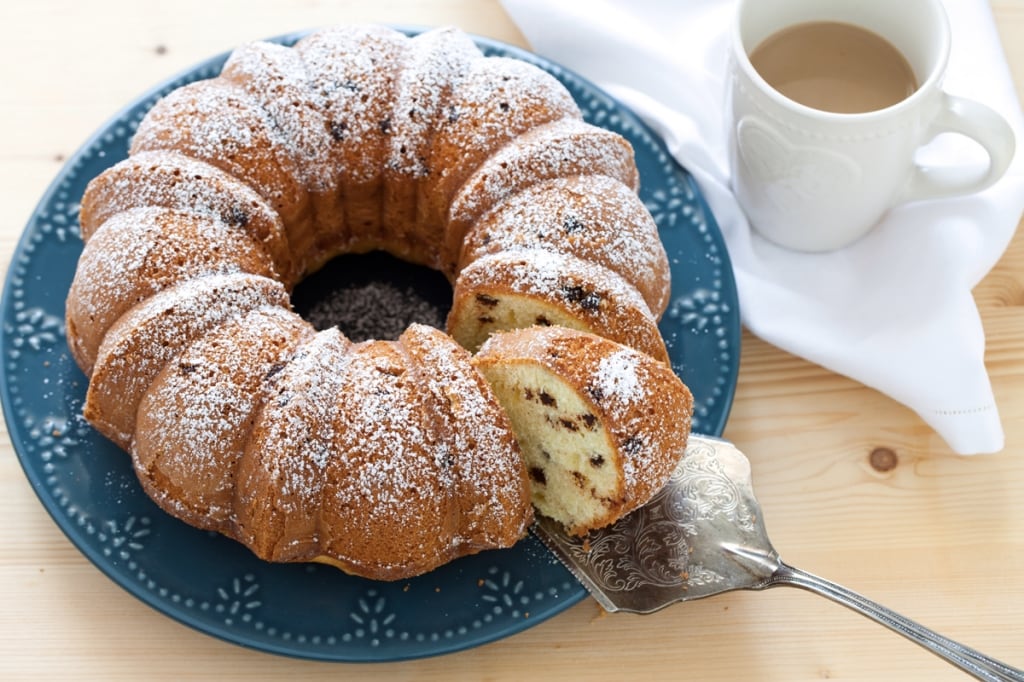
[387,457]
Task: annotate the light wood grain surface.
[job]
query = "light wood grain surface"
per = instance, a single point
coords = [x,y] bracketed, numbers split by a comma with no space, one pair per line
[939,538]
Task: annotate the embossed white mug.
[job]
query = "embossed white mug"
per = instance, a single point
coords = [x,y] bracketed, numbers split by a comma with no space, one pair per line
[814,180]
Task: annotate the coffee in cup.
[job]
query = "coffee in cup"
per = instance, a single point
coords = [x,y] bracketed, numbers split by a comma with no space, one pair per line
[834,66]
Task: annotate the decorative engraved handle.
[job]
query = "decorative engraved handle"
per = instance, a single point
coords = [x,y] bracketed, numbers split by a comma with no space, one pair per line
[703,534]
[967,659]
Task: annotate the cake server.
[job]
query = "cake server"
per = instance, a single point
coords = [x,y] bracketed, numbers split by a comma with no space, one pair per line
[704,534]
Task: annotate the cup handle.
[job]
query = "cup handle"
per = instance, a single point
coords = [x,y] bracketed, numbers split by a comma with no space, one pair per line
[978,122]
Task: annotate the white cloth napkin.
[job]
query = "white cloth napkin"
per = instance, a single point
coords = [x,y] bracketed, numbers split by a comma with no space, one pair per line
[893,311]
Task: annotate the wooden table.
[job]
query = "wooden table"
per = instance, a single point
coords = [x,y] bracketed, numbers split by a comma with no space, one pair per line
[939,537]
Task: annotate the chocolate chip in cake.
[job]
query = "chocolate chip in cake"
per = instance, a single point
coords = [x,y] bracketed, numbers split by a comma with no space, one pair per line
[338,129]
[588,300]
[571,224]
[484,299]
[633,445]
[238,217]
[273,369]
[591,301]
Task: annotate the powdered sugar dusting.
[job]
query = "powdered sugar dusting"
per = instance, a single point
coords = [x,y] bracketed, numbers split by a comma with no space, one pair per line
[170,180]
[499,99]
[361,452]
[475,437]
[592,217]
[616,376]
[384,499]
[385,430]
[149,336]
[436,63]
[548,274]
[502,98]
[161,178]
[145,250]
[282,475]
[542,287]
[638,400]
[275,76]
[300,419]
[352,71]
[565,147]
[194,421]
[217,122]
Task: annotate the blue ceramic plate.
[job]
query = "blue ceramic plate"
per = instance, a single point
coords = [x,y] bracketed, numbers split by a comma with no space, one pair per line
[311,611]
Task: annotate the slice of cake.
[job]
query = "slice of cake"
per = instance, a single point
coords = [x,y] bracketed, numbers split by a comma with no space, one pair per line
[601,426]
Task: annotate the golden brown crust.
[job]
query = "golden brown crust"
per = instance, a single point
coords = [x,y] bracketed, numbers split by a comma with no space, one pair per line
[219,123]
[424,472]
[515,289]
[436,64]
[280,476]
[565,147]
[140,252]
[151,334]
[276,79]
[170,180]
[592,217]
[498,100]
[353,72]
[195,418]
[476,439]
[387,499]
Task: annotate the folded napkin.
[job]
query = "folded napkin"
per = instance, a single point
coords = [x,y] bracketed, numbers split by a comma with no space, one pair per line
[893,311]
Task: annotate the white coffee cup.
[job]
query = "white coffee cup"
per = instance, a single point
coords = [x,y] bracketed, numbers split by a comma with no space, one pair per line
[814,180]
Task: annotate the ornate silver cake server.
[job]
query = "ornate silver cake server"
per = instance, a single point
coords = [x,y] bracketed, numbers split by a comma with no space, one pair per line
[703,534]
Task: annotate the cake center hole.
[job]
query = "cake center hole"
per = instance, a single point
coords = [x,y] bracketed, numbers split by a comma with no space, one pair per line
[373,296]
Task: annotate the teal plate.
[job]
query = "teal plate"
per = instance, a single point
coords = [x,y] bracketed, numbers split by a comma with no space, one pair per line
[310,611]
